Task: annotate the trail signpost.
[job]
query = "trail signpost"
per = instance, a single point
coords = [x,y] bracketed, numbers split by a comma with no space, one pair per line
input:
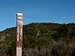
[19,36]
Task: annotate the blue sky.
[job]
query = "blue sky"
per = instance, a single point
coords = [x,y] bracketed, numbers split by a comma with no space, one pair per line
[56,11]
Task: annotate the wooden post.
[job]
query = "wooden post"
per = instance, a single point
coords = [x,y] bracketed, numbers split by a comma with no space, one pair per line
[19,34]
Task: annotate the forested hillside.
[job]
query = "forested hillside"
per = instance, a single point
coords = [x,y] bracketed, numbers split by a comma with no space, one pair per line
[40,39]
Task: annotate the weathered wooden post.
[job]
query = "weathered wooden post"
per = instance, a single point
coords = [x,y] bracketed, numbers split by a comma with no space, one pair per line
[19,34]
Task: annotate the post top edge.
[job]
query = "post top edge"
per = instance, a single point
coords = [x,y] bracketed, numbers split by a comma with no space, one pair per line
[19,13]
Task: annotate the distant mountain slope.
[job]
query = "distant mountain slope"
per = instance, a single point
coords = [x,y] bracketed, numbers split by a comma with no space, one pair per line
[40,39]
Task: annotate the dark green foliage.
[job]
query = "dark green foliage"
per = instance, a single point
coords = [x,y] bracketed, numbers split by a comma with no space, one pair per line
[40,39]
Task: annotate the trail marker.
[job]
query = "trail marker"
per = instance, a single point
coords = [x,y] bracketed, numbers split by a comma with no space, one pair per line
[19,36]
